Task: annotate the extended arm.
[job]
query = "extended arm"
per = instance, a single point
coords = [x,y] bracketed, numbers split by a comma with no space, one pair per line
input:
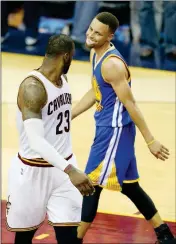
[86,102]
[118,79]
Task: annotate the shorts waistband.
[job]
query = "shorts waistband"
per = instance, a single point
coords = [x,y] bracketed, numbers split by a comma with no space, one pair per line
[38,162]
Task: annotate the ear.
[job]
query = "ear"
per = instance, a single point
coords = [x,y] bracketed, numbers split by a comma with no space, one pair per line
[66,57]
[110,36]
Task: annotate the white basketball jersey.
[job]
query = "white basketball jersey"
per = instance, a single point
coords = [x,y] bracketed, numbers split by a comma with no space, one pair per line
[56,116]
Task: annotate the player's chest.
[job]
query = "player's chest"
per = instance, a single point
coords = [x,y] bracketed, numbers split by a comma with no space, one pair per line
[58,103]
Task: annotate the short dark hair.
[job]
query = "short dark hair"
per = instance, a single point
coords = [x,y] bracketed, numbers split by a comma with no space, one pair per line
[59,44]
[108,19]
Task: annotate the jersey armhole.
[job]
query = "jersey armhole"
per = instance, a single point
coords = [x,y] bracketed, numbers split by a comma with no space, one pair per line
[35,77]
[113,55]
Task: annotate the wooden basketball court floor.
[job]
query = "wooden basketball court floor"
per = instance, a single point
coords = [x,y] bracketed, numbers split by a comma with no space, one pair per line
[118,220]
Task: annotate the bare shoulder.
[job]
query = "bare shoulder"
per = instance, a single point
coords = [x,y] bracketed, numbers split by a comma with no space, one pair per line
[113,63]
[113,68]
[32,94]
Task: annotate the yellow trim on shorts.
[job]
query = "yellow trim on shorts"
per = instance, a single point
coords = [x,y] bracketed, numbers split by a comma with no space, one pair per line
[95,174]
[114,55]
[131,181]
[116,187]
[23,229]
[113,188]
[64,224]
[112,183]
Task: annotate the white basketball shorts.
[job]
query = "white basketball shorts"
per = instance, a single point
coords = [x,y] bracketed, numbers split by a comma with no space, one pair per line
[34,192]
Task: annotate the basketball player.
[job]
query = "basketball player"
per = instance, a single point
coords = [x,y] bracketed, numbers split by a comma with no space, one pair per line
[43,177]
[112,162]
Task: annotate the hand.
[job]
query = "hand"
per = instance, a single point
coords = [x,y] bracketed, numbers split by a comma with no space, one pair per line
[80,180]
[158,150]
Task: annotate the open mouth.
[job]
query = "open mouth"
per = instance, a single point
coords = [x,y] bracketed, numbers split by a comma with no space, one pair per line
[89,42]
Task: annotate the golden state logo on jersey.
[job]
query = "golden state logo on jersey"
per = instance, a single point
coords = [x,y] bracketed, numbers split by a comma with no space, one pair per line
[98,95]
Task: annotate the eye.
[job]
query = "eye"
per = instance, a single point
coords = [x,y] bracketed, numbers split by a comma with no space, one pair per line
[98,34]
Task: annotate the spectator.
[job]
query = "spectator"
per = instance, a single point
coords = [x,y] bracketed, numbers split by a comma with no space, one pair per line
[31,19]
[6,9]
[150,15]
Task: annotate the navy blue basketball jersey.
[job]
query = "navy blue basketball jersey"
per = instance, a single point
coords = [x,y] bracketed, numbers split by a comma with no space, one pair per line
[109,110]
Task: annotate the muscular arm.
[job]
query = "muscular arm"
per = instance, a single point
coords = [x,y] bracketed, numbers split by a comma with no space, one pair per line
[32,98]
[86,102]
[118,80]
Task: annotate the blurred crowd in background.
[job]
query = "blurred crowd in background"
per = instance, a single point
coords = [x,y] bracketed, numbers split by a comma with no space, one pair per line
[150,25]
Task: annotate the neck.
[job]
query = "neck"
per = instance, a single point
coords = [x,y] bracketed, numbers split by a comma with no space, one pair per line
[101,50]
[51,70]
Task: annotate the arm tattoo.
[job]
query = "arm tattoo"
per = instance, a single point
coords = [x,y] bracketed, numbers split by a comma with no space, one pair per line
[33,97]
